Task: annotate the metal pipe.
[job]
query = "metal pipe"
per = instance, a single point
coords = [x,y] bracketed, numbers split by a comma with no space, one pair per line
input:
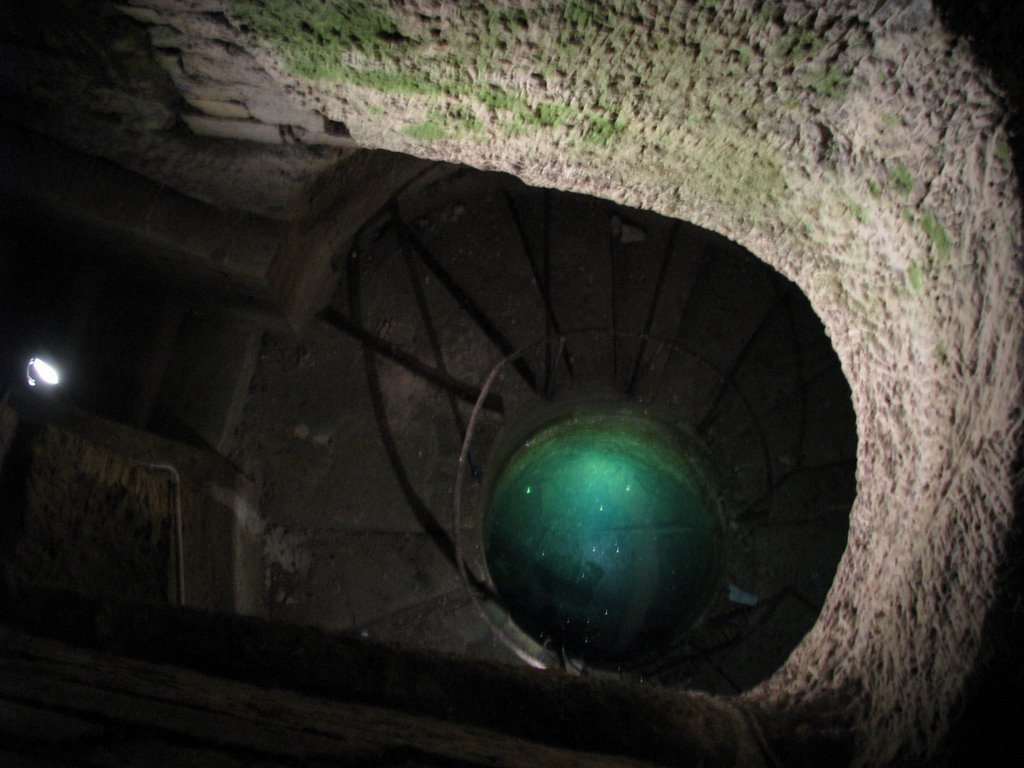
[176,479]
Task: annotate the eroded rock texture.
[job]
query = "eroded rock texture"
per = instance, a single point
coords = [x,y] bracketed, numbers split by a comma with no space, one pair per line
[854,146]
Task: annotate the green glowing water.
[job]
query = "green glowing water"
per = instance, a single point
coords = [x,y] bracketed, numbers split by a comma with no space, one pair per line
[603,535]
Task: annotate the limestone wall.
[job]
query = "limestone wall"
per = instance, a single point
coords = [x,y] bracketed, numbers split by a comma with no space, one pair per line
[857,148]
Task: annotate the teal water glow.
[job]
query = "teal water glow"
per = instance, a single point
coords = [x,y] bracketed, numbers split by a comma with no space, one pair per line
[603,534]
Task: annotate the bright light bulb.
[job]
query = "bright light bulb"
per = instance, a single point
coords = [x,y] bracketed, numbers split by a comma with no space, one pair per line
[40,371]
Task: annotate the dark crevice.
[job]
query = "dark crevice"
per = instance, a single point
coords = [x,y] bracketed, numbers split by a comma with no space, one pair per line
[659,286]
[698,268]
[428,323]
[462,390]
[541,277]
[613,290]
[716,400]
[465,301]
[424,516]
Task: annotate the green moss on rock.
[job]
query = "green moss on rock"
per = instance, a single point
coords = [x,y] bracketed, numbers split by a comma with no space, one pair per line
[798,46]
[548,113]
[428,130]
[386,81]
[601,129]
[575,66]
[914,277]
[900,179]
[314,34]
[831,82]
[937,235]
[497,99]
[1004,154]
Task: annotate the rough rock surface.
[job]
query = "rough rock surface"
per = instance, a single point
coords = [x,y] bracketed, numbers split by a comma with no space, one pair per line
[158,94]
[854,146]
[100,504]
